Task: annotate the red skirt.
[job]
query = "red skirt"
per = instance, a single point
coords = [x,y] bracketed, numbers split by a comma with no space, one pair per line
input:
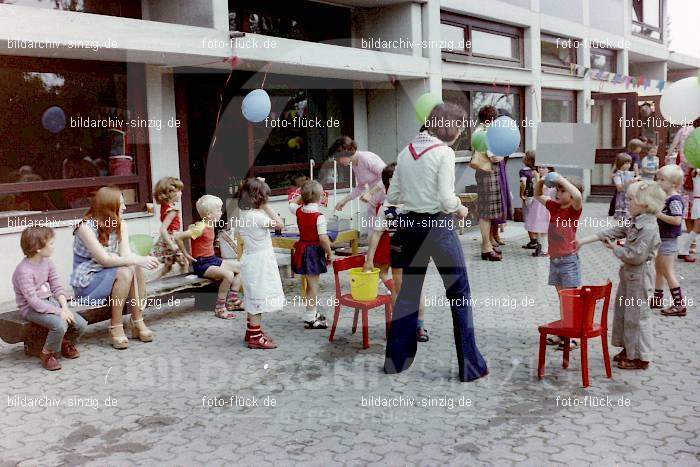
[382,255]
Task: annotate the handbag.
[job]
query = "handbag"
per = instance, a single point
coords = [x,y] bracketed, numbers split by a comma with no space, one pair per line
[480,161]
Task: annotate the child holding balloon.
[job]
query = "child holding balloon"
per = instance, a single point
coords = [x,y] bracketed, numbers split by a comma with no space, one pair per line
[689,238]
[564,210]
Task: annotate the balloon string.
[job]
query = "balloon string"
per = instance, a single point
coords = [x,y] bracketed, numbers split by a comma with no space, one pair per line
[534,99]
[233,60]
[262,86]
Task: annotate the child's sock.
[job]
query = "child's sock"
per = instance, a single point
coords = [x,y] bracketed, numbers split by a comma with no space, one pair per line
[677,296]
[658,294]
[420,323]
[220,304]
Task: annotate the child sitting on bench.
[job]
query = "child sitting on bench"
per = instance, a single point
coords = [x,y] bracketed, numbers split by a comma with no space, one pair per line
[41,299]
[205,263]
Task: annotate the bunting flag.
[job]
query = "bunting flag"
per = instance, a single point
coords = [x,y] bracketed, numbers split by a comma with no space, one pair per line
[616,78]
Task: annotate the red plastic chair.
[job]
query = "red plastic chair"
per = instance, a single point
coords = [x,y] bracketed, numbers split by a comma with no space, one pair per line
[578,310]
[347,300]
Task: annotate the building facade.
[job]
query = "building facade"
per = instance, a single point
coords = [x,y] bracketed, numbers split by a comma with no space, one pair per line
[127,92]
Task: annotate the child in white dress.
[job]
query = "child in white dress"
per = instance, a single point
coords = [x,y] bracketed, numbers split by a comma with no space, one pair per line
[259,272]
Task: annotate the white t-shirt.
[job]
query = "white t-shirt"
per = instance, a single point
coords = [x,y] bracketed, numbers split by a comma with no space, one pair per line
[321,223]
[254,227]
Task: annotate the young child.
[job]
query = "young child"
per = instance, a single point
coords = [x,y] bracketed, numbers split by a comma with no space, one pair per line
[527,191]
[260,274]
[650,163]
[632,315]
[564,212]
[41,299]
[634,150]
[670,219]
[379,252]
[622,177]
[313,250]
[537,220]
[167,193]
[694,231]
[205,263]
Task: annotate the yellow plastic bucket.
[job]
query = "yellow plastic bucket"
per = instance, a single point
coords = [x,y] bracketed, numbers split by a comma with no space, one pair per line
[364,286]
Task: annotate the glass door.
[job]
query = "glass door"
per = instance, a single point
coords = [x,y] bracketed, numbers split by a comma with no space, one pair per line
[611,115]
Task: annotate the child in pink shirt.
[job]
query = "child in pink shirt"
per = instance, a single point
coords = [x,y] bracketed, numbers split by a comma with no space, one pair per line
[41,298]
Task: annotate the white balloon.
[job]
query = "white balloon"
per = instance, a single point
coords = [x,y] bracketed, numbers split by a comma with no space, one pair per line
[680,102]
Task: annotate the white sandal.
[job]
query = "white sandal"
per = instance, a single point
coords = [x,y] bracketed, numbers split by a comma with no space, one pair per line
[119,340]
[140,331]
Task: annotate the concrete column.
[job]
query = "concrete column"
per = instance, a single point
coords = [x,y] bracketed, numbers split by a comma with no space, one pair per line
[160,92]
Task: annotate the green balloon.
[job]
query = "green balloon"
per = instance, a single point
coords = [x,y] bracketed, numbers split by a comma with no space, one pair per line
[691,148]
[425,104]
[479,141]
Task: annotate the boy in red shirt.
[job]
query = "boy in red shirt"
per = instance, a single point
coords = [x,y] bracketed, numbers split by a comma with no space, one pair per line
[564,213]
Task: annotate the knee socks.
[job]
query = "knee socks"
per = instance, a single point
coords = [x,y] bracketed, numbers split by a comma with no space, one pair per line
[677,296]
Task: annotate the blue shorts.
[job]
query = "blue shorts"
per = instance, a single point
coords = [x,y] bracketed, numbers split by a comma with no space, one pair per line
[99,288]
[202,264]
[565,271]
[668,246]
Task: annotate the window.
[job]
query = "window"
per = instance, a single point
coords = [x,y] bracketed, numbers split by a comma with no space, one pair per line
[292,19]
[558,52]
[558,106]
[483,41]
[277,153]
[472,97]
[604,59]
[68,128]
[127,9]
[647,18]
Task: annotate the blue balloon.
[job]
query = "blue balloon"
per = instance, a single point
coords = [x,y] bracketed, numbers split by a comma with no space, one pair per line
[256,106]
[54,119]
[550,179]
[503,136]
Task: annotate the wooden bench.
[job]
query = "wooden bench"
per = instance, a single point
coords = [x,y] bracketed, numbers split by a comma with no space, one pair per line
[14,329]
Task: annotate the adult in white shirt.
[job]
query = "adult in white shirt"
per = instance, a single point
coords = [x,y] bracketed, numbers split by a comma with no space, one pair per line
[424,183]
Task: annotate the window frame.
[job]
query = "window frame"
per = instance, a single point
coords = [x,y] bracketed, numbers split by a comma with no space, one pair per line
[136,93]
[611,53]
[564,95]
[130,9]
[573,52]
[456,86]
[469,23]
[643,25]
[256,170]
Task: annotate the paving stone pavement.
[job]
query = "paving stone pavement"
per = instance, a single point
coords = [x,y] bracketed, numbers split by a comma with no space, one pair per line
[159,392]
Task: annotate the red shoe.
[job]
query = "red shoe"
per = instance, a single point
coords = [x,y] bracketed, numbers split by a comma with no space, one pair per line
[49,361]
[68,350]
[687,258]
[261,342]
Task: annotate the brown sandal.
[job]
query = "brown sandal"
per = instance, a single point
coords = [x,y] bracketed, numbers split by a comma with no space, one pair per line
[621,356]
[632,364]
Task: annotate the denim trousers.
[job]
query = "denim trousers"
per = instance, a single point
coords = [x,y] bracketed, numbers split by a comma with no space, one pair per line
[58,328]
[421,237]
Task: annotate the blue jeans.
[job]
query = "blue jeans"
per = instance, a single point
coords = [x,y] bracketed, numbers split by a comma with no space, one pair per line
[58,328]
[421,237]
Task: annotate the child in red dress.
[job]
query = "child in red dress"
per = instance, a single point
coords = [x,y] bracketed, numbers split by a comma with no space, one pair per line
[313,250]
[167,193]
